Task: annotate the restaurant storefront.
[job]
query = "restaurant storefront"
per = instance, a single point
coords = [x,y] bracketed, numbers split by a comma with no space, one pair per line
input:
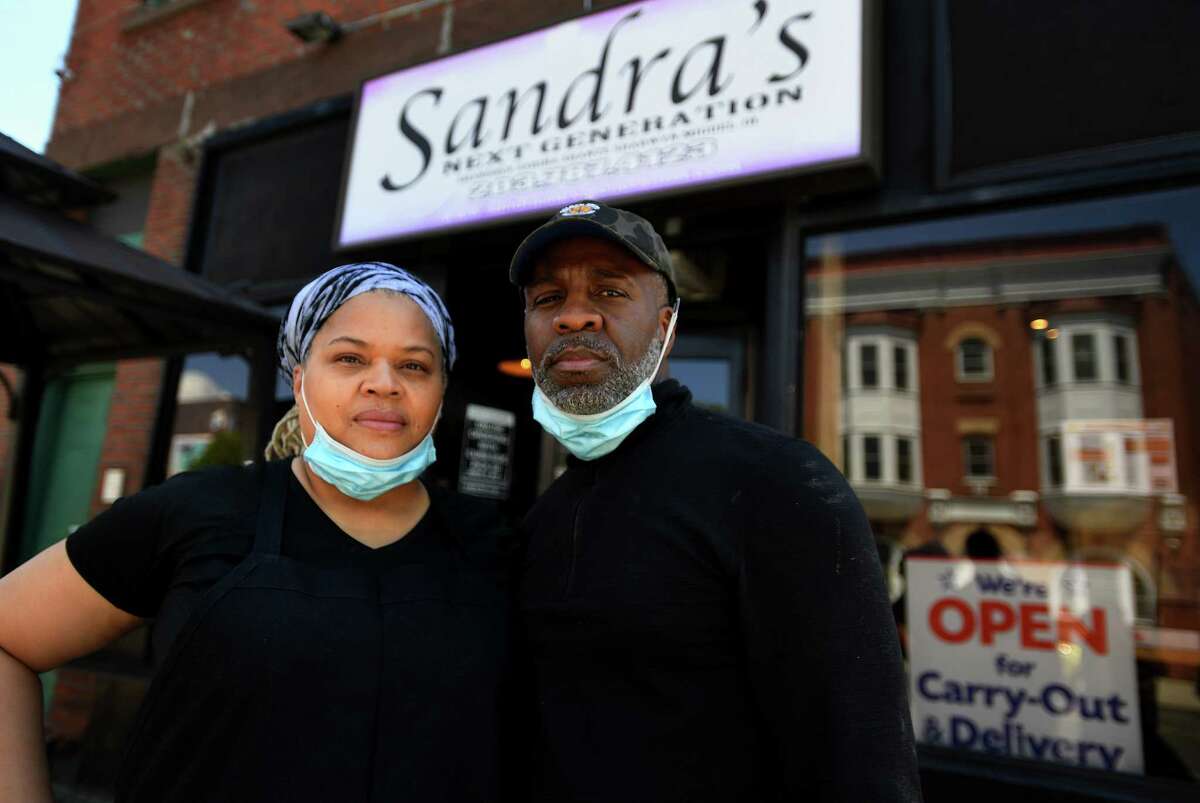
[954,249]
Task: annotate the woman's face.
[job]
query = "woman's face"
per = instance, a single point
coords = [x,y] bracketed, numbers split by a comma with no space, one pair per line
[374,376]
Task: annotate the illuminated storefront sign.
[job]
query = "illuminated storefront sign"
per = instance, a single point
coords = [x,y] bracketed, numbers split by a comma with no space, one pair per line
[646,98]
[1031,660]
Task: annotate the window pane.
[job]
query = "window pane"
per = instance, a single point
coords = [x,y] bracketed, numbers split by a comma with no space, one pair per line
[710,381]
[1049,362]
[903,460]
[1083,355]
[212,416]
[872,465]
[973,357]
[900,366]
[1121,350]
[868,356]
[1054,460]
[979,457]
[846,456]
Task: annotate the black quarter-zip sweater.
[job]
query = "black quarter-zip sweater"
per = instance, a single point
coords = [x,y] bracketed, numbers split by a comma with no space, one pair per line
[708,622]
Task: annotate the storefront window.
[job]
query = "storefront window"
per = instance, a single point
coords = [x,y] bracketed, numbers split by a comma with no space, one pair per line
[212,414]
[1019,421]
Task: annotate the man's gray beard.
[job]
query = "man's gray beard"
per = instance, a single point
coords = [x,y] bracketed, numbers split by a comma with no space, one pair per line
[592,399]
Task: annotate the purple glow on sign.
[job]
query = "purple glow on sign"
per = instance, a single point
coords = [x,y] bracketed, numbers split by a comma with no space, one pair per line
[822,129]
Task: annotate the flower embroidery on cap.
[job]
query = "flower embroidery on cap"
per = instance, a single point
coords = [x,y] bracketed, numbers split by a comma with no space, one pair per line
[577,210]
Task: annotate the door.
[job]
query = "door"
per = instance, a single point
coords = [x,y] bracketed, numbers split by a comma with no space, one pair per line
[67,449]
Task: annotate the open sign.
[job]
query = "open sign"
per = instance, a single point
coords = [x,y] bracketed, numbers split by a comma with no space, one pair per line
[999,664]
[954,621]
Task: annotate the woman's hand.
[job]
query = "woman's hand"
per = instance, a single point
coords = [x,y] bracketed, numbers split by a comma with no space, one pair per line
[48,615]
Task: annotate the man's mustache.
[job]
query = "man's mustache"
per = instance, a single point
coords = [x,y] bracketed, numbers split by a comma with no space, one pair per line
[584,340]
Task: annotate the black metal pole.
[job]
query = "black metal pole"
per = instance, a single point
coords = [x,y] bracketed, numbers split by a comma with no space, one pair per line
[781,356]
[262,395]
[33,386]
[164,423]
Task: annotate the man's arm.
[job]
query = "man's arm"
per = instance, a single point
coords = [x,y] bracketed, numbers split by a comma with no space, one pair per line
[824,658]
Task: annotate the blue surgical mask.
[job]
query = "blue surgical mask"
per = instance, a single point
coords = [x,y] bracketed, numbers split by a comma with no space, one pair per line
[589,437]
[357,475]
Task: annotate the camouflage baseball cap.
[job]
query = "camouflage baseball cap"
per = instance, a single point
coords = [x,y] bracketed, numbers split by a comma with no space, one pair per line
[594,219]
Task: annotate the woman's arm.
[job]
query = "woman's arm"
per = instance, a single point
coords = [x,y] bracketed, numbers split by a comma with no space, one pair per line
[48,615]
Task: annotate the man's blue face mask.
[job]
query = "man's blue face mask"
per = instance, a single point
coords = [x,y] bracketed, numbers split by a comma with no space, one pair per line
[589,437]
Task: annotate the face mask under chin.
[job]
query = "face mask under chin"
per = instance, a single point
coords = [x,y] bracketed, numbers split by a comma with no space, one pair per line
[615,388]
[589,436]
[357,475]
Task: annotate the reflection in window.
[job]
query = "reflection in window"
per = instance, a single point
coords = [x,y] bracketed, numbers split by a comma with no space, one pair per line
[1049,362]
[872,458]
[1083,357]
[979,457]
[900,367]
[1121,353]
[974,359]
[868,362]
[904,460]
[211,414]
[1054,467]
[1087,481]
[709,380]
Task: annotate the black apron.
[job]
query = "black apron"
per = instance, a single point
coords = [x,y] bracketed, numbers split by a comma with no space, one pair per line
[294,682]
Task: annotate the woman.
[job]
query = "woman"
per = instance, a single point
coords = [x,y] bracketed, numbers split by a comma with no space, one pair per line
[328,628]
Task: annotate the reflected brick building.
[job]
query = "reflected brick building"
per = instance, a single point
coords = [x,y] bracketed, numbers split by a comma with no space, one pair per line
[993,397]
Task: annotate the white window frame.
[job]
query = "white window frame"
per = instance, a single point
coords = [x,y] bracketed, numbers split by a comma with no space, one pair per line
[988,358]
[966,453]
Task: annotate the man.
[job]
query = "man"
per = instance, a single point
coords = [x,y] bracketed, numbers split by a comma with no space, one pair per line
[704,603]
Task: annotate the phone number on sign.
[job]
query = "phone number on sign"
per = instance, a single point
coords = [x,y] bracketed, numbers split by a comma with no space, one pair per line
[631,162]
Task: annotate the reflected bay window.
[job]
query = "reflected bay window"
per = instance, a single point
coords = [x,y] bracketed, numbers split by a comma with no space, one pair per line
[1049,362]
[1121,354]
[1083,357]
[979,457]
[904,460]
[1054,467]
[872,458]
[868,365]
[900,367]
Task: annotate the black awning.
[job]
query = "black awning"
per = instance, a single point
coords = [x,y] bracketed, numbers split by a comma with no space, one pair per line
[69,294]
[34,178]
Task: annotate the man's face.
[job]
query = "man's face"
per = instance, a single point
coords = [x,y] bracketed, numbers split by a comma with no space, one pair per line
[595,320]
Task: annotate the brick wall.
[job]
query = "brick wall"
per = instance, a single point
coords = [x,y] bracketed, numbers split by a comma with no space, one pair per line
[1007,400]
[217,63]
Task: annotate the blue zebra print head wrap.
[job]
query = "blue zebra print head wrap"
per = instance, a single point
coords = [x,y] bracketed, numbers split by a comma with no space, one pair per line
[322,297]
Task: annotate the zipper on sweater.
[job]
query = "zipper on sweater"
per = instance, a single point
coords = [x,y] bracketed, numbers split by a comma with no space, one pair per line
[574,550]
[576,526]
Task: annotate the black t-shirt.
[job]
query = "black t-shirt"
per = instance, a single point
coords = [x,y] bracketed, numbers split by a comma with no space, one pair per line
[156,553]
